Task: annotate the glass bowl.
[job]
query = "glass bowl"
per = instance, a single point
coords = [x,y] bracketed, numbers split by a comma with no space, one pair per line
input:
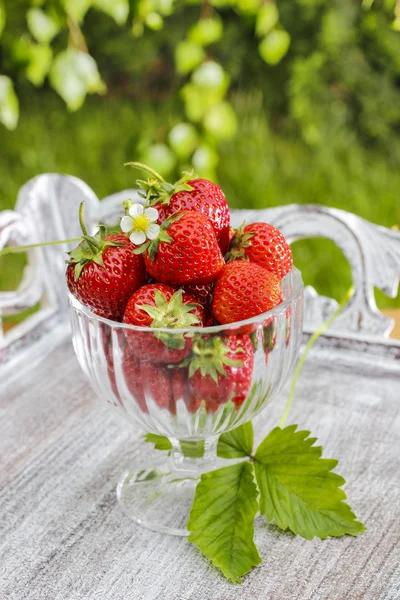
[144,374]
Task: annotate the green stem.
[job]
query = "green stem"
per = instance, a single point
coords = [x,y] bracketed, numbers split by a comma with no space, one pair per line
[82,219]
[310,342]
[143,167]
[16,249]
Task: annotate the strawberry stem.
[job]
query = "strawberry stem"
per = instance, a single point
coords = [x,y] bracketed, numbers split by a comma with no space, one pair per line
[141,166]
[81,219]
[310,343]
[16,249]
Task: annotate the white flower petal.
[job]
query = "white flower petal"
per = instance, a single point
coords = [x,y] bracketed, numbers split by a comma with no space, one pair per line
[152,231]
[152,214]
[135,210]
[137,237]
[126,224]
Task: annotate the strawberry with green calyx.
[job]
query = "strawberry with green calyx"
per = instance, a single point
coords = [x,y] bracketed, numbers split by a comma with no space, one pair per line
[221,369]
[264,245]
[160,306]
[104,271]
[185,252]
[244,290]
[188,193]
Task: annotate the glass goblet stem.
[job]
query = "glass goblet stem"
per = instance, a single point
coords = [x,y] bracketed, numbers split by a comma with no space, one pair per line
[194,456]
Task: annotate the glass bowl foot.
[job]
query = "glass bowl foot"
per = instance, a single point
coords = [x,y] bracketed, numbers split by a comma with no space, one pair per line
[158,496]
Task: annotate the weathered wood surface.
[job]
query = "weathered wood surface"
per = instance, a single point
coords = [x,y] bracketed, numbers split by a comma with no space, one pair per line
[63,536]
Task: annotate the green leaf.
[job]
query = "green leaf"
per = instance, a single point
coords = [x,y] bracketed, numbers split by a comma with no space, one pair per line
[237,443]
[189,448]
[206,31]
[117,9]
[188,55]
[267,18]
[160,441]
[204,160]
[9,105]
[297,488]
[183,139]
[73,75]
[41,25]
[220,121]
[154,21]
[274,46]
[76,9]
[2,16]
[40,57]
[161,158]
[221,522]
[211,76]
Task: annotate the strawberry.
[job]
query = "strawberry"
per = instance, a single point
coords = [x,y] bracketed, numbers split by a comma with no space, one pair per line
[160,306]
[221,369]
[185,252]
[264,245]
[200,195]
[201,292]
[144,381]
[104,271]
[181,390]
[149,382]
[244,290]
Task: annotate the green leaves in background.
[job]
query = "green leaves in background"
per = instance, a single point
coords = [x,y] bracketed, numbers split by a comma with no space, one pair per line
[183,139]
[206,31]
[41,25]
[73,75]
[221,522]
[188,55]
[117,9]
[267,18]
[76,9]
[297,488]
[274,46]
[40,58]
[2,16]
[9,106]
[237,443]
[220,121]
[161,158]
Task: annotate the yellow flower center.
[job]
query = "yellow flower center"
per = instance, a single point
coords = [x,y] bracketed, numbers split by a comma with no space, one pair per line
[141,223]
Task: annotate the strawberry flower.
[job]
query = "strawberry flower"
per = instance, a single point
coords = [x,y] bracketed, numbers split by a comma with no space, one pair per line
[140,223]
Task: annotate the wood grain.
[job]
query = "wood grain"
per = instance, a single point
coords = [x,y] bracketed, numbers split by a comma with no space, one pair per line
[63,536]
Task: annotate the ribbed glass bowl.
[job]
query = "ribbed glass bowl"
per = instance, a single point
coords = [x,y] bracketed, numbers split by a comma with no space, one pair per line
[160,397]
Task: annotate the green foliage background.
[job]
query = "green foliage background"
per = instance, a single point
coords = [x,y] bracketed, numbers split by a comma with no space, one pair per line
[293,101]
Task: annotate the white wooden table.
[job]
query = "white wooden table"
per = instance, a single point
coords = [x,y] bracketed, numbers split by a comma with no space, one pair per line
[62,534]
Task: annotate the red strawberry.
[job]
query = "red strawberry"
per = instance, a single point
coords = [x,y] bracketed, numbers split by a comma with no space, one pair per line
[181,390]
[104,271]
[202,292]
[160,306]
[185,252]
[200,195]
[244,290]
[221,369]
[147,382]
[264,245]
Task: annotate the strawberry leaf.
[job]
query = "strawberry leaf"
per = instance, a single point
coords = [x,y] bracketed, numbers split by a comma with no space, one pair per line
[298,489]
[221,522]
[237,443]
[160,441]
